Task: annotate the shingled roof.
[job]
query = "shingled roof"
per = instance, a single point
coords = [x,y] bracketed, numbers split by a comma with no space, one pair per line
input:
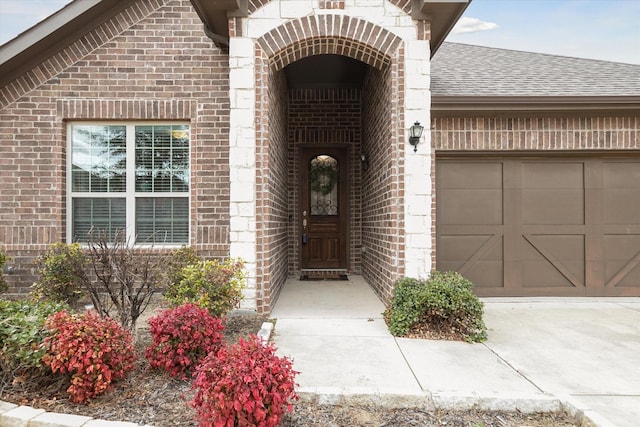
[461,70]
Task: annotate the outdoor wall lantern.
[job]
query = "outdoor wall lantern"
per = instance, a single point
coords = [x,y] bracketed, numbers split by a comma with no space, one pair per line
[364,160]
[415,132]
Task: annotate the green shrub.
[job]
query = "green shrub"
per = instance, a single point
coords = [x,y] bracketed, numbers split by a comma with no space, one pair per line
[3,284]
[22,333]
[443,302]
[213,285]
[408,297]
[62,274]
[179,259]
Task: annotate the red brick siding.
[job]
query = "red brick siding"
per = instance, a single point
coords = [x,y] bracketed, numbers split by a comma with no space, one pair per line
[381,182]
[157,65]
[331,4]
[570,132]
[273,204]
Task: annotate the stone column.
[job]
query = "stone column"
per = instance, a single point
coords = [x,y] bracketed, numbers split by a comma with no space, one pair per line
[242,160]
[417,189]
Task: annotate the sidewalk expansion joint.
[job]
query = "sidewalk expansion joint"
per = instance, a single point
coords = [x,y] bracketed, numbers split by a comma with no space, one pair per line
[513,367]
[415,377]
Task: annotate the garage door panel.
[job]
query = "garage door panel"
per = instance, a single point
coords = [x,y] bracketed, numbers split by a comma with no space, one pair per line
[552,192]
[552,175]
[540,274]
[628,279]
[479,258]
[470,175]
[486,274]
[553,260]
[621,206]
[621,192]
[622,260]
[472,207]
[461,247]
[483,274]
[553,206]
[617,174]
[471,192]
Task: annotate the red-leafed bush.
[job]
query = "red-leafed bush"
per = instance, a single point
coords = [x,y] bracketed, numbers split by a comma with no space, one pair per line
[182,337]
[244,385]
[94,351]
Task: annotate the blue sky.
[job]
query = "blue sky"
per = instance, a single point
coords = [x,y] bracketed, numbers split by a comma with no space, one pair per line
[596,29]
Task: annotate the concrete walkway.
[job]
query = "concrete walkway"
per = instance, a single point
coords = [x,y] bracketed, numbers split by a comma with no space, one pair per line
[541,353]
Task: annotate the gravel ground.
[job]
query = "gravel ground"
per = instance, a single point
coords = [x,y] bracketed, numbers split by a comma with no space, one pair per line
[150,397]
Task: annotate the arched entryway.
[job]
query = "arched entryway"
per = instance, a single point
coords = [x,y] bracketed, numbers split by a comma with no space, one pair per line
[283,102]
[332,92]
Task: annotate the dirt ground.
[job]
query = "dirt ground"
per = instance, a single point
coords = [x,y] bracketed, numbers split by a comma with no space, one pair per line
[151,397]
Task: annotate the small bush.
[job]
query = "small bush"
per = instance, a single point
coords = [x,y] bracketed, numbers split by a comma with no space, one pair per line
[182,337]
[177,260]
[443,302]
[214,285]
[406,305]
[126,277]
[62,274]
[244,385]
[94,351]
[3,284]
[22,332]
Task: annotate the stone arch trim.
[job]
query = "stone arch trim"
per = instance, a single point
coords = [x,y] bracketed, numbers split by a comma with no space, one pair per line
[329,34]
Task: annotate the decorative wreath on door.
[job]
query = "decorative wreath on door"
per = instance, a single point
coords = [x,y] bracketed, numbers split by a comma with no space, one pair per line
[323,175]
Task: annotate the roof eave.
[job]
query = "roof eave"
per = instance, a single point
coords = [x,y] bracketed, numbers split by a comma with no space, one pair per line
[447,104]
[214,15]
[443,15]
[53,34]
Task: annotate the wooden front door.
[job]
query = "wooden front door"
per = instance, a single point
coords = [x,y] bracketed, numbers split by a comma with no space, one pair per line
[324,212]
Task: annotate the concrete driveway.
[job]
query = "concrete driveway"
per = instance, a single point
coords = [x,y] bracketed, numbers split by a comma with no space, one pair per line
[585,352]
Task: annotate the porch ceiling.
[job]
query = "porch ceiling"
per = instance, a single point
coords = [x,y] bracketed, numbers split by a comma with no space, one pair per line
[325,71]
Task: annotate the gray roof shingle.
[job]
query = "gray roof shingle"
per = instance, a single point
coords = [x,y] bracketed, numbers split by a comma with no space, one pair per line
[466,70]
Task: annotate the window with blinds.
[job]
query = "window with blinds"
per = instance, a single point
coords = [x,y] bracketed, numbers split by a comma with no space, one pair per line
[132,177]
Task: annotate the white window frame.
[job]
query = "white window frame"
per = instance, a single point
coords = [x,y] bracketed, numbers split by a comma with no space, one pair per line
[130,194]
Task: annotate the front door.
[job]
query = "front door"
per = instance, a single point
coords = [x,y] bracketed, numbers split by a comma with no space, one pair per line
[324,214]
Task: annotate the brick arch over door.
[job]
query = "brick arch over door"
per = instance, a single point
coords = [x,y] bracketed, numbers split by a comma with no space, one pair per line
[294,40]
[329,34]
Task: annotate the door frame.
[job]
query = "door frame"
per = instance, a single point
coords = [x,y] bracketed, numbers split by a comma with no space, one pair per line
[306,151]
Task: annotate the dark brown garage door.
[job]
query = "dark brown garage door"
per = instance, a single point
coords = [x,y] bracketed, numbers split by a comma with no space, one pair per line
[540,226]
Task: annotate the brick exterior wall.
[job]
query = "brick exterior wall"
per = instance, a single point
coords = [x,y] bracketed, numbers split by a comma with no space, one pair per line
[150,62]
[381,181]
[536,132]
[153,61]
[273,223]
